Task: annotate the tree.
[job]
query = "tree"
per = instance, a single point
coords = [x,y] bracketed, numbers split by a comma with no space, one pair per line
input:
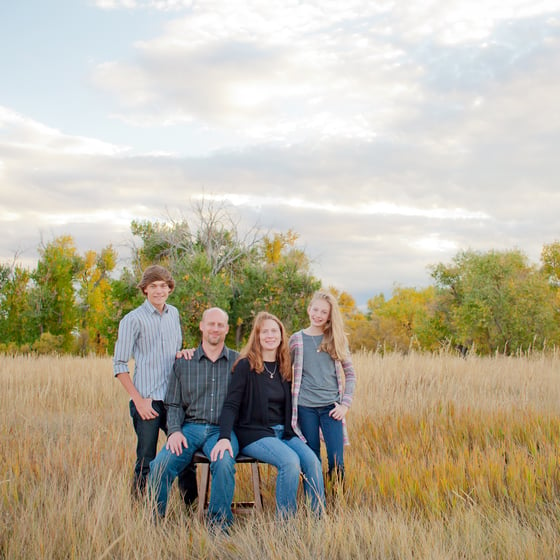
[15,308]
[497,302]
[346,303]
[96,297]
[125,296]
[550,257]
[287,282]
[215,264]
[53,298]
[409,319]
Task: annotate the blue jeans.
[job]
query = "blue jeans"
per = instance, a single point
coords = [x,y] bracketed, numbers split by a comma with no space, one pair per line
[166,466]
[291,457]
[310,419]
[147,433]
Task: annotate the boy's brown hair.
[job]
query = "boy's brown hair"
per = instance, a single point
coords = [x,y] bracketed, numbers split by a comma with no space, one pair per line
[156,273]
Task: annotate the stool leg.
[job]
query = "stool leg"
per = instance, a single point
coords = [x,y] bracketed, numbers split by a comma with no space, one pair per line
[256,477]
[203,487]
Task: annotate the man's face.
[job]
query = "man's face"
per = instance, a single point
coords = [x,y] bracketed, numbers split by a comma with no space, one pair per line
[214,327]
[157,293]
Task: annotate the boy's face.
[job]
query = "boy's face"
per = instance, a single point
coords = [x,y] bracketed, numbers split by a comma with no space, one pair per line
[157,293]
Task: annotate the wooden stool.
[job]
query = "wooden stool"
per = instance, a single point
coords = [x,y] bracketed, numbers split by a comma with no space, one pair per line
[203,463]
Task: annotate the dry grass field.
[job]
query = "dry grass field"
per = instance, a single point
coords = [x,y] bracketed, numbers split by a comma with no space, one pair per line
[450,458]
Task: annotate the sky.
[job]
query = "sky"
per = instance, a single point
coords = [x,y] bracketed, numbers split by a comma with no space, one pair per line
[388,135]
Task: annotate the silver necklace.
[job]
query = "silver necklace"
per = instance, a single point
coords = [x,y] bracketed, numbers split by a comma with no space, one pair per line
[271,373]
[317,346]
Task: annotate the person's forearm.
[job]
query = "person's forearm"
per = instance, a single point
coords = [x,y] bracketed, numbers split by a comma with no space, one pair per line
[129,387]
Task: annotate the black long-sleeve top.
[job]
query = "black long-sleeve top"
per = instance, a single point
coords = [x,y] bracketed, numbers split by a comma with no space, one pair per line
[246,406]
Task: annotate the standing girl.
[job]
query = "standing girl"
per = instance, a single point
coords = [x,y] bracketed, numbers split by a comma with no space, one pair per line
[324,381]
[258,408]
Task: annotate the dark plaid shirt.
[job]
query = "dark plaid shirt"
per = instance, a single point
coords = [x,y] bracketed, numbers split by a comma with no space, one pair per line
[197,389]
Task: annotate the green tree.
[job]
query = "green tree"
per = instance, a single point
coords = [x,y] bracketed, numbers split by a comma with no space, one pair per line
[497,302]
[15,308]
[214,264]
[287,282]
[53,297]
[550,257]
[414,317]
[197,288]
[410,319]
[125,296]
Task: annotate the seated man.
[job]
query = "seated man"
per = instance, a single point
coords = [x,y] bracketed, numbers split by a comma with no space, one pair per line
[196,392]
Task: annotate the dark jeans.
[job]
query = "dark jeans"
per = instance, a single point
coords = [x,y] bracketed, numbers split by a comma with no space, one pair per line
[147,433]
[310,419]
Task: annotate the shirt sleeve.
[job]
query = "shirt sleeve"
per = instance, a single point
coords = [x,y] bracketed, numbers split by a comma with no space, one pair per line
[128,332]
[349,382]
[178,331]
[173,400]
[233,399]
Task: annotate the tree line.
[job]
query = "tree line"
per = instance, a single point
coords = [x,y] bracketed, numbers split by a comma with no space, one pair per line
[488,302]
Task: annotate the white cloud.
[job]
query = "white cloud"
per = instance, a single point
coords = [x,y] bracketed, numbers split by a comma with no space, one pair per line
[305,72]
[160,5]
[434,243]
[116,4]
[28,134]
[363,209]
[388,135]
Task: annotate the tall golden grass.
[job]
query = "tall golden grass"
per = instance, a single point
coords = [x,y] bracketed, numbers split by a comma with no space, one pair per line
[450,458]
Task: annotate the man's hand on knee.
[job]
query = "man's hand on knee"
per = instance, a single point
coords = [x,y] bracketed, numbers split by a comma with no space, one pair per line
[176,442]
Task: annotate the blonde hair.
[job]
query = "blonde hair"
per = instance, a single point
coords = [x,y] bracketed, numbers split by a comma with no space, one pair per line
[335,341]
[253,350]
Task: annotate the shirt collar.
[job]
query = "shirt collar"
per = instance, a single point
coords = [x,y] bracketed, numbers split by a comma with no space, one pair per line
[199,354]
[151,309]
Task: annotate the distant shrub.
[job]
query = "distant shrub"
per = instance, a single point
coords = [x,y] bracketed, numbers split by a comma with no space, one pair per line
[48,344]
[10,348]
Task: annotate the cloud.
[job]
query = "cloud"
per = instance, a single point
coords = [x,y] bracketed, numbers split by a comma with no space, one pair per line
[387,135]
[28,134]
[163,5]
[276,72]
[255,73]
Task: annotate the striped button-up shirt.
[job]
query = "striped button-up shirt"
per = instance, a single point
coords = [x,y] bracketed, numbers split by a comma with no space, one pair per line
[197,389]
[152,339]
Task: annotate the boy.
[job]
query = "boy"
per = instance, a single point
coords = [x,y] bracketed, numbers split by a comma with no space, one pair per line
[151,334]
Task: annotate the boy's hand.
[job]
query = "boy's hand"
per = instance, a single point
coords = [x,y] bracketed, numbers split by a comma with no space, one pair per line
[186,353]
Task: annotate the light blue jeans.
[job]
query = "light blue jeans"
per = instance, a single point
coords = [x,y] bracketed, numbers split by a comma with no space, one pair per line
[291,457]
[166,467]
